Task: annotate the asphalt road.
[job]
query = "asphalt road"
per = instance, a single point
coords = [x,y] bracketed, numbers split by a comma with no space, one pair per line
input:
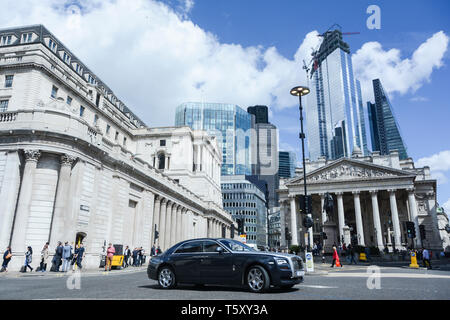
[350,283]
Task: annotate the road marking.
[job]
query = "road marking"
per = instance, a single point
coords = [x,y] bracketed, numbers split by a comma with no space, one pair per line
[389,275]
[318,287]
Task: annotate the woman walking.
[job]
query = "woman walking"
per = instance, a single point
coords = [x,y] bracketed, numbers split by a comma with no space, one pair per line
[335,258]
[28,259]
[44,257]
[6,258]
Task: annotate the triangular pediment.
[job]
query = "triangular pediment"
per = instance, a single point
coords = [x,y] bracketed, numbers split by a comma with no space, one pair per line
[346,169]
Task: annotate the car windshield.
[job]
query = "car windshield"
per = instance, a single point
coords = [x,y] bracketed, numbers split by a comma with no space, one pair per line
[236,245]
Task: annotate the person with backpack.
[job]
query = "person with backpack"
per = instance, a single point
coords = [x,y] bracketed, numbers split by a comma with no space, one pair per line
[7,255]
[28,260]
[56,261]
[126,258]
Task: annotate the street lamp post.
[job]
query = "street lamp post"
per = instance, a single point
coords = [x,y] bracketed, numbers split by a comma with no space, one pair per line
[300,91]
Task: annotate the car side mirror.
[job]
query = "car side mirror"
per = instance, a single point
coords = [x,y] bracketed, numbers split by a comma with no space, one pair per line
[219,249]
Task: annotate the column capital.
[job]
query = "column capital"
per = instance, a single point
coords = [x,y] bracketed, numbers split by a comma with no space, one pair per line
[291,196]
[340,193]
[356,192]
[67,160]
[373,192]
[430,193]
[163,200]
[410,189]
[391,190]
[321,194]
[32,155]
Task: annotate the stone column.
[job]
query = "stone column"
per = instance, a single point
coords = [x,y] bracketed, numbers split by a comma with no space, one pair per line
[358,216]
[23,204]
[376,219]
[414,216]
[183,223]
[162,222]
[156,211]
[168,225]
[395,220]
[178,225]
[208,227]
[62,223]
[341,216]
[294,228]
[173,224]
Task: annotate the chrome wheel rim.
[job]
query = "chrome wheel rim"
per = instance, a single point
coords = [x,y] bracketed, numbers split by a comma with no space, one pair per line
[255,279]
[166,278]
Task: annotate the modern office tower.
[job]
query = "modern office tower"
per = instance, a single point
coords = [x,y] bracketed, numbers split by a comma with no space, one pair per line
[384,128]
[261,113]
[229,124]
[334,109]
[264,150]
[287,162]
[244,198]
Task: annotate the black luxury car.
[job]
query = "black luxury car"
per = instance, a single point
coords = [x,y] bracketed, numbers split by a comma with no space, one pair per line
[224,262]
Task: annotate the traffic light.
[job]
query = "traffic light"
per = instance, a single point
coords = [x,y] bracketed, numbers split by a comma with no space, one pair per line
[307,222]
[287,234]
[422,232]
[447,228]
[156,235]
[308,204]
[410,229]
[240,226]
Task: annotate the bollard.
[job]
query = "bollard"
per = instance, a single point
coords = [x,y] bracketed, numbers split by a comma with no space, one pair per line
[413,260]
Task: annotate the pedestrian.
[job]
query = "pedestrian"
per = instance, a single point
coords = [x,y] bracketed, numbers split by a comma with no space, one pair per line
[367,252]
[79,255]
[66,256]
[158,251]
[7,255]
[56,261]
[315,249]
[335,258]
[426,258]
[153,251]
[126,257]
[135,253]
[28,259]
[74,257]
[351,253]
[109,257]
[44,258]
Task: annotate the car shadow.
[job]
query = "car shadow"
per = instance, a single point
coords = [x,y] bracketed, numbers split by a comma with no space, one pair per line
[208,288]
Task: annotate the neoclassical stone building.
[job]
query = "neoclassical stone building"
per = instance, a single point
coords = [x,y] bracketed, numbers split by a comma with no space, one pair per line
[373,198]
[76,163]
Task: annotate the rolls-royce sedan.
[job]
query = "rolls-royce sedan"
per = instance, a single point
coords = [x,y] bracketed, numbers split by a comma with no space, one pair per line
[224,262]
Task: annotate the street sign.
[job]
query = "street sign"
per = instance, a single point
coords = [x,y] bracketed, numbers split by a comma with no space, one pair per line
[309,262]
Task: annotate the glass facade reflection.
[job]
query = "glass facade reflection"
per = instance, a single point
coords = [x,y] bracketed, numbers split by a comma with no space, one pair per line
[287,162]
[383,125]
[229,123]
[334,108]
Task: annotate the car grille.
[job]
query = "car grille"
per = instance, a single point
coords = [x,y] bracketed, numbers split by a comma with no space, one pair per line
[298,264]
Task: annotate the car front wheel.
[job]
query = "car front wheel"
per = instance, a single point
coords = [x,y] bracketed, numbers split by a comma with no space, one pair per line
[258,279]
[166,278]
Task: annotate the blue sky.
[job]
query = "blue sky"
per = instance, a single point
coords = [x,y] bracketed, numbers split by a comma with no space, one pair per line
[155,54]
[423,115]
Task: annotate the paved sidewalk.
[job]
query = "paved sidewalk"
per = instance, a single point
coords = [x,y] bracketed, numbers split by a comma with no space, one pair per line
[84,272]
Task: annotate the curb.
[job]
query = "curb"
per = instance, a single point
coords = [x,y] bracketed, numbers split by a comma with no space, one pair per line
[48,274]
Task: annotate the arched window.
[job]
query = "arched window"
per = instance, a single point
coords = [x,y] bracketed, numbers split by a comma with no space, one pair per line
[161,161]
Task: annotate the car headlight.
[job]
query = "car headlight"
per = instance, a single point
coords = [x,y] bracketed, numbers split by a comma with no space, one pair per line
[282,262]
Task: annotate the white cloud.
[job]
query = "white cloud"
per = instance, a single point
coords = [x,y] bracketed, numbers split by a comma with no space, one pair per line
[154,59]
[397,74]
[446,207]
[439,164]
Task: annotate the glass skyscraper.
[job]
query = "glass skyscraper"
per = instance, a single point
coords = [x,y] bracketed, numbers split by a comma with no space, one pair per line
[334,108]
[384,128]
[287,162]
[229,123]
